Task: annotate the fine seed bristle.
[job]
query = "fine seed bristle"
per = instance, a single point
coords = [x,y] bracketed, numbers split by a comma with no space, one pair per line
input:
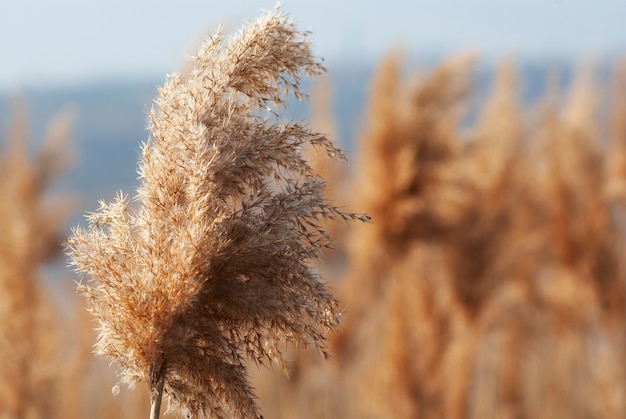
[212,263]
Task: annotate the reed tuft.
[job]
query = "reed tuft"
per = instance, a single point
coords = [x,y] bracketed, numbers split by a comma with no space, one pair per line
[211,264]
[29,334]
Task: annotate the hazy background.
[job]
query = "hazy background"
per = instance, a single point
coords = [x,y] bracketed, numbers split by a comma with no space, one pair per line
[481,256]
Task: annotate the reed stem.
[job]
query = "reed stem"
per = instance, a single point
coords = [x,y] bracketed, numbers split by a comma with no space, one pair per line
[156,394]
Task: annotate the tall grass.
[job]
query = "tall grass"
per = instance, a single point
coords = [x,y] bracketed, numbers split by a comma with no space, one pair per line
[212,264]
[29,341]
[490,284]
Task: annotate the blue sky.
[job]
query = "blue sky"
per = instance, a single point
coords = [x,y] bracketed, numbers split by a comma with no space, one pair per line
[49,42]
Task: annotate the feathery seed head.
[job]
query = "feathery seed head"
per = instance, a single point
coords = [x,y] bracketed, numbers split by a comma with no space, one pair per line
[212,263]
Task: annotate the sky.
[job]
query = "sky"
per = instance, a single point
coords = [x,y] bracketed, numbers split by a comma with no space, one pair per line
[65,42]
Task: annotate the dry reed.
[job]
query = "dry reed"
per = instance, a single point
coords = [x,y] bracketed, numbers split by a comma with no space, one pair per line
[212,264]
[29,355]
[490,285]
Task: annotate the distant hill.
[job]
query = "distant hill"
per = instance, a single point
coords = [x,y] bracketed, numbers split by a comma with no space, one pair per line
[111,119]
[110,122]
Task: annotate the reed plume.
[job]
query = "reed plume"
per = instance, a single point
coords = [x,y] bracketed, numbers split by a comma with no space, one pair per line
[405,181]
[29,376]
[212,265]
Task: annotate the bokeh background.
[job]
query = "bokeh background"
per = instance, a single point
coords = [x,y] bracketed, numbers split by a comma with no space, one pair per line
[486,138]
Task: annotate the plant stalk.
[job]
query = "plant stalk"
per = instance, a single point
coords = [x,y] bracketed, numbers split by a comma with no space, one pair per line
[156,392]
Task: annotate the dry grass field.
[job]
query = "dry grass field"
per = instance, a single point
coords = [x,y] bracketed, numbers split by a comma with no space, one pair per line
[490,282]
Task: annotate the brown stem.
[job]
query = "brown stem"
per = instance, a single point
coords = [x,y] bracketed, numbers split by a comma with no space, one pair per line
[156,391]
